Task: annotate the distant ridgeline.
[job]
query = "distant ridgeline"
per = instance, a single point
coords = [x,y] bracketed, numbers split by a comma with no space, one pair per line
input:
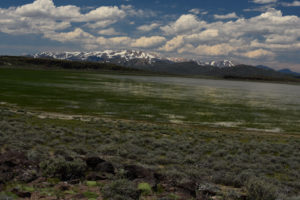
[29,62]
[187,68]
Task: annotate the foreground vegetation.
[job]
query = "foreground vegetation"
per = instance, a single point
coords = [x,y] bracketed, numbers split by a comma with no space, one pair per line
[81,135]
[176,162]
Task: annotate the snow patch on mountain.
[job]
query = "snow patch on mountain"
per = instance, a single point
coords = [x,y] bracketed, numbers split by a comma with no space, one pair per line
[223,63]
[125,57]
[101,55]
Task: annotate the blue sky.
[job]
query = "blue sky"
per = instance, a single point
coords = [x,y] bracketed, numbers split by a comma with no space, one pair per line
[246,31]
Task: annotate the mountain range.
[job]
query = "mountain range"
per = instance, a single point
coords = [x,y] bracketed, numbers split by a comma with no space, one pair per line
[156,63]
[128,58]
[283,71]
[289,72]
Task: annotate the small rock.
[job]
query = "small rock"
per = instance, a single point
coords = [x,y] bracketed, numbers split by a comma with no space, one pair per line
[207,189]
[15,165]
[39,181]
[63,186]
[106,167]
[74,182]
[5,197]
[189,187]
[21,193]
[27,176]
[69,158]
[159,177]
[79,196]
[92,162]
[13,159]
[5,177]
[137,172]
[93,176]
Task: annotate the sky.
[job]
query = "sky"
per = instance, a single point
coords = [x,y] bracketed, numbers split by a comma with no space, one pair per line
[265,32]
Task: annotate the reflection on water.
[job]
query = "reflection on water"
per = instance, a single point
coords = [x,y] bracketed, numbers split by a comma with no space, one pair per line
[269,107]
[258,94]
[247,105]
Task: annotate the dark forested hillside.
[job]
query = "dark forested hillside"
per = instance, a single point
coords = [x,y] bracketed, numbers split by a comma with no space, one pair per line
[184,68]
[15,61]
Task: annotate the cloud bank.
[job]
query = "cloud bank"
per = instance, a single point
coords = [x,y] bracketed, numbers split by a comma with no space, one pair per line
[267,36]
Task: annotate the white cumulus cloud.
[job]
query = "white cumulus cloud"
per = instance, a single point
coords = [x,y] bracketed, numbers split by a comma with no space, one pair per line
[185,23]
[146,42]
[42,17]
[195,11]
[147,28]
[109,31]
[173,44]
[269,34]
[293,4]
[227,16]
[104,13]
[257,53]
[264,1]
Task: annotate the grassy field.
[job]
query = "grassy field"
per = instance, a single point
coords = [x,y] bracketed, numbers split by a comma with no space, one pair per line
[231,141]
[134,98]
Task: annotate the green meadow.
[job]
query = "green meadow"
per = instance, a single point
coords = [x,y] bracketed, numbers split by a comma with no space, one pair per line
[154,99]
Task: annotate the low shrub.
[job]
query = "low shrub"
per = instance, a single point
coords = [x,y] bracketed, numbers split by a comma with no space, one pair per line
[145,188]
[91,183]
[7,196]
[120,190]
[293,198]
[231,195]
[62,169]
[159,189]
[259,189]
[90,195]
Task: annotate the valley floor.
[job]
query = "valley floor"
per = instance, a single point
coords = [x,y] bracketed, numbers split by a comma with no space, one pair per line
[70,135]
[175,162]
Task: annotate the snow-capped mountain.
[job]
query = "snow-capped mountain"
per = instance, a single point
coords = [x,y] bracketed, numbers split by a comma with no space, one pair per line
[118,57]
[220,64]
[178,59]
[223,63]
[154,62]
[128,58]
